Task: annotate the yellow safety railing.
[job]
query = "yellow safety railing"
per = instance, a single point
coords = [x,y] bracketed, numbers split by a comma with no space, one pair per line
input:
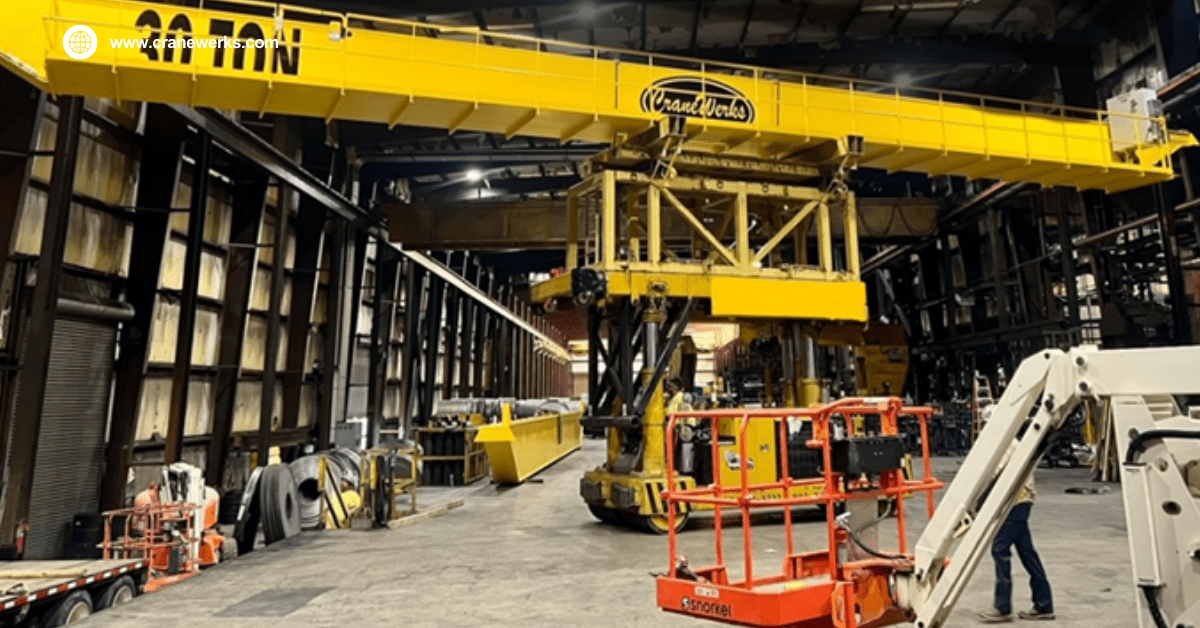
[358,67]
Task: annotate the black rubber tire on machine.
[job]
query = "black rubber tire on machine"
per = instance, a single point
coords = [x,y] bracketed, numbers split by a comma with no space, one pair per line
[73,608]
[604,514]
[278,503]
[121,591]
[659,524]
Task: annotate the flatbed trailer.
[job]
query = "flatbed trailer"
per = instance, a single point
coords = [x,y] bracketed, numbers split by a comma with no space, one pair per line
[46,593]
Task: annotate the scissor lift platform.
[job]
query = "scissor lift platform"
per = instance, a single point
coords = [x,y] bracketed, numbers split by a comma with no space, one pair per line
[833,587]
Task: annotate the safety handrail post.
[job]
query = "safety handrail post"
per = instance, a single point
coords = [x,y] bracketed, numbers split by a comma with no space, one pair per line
[744,501]
[786,482]
[672,542]
[718,490]
[928,464]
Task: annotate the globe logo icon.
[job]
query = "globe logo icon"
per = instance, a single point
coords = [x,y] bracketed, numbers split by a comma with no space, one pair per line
[79,42]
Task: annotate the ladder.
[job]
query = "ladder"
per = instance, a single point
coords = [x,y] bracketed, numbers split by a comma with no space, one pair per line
[981,399]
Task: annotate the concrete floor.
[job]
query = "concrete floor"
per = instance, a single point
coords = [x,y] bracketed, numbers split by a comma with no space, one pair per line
[532,556]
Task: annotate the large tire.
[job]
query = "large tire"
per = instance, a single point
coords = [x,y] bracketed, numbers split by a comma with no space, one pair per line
[121,591]
[604,514]
[72,609]
[659,524]
[279,505]
[231,501]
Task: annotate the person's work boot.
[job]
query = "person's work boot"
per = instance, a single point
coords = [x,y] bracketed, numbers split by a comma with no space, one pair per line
[1036,614]
[993,616]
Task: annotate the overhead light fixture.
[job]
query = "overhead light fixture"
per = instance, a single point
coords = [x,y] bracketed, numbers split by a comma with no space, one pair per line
[904,79]
[588,11]
[474,175]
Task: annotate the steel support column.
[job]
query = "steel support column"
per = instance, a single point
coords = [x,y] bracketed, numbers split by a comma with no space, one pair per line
[454,299]
[310,228]
[275,302]
[249,202]
[382,315]
[186,331]
[27,415]
[468,350]
[410,351]
[487,283]
[1065,199]
[1180,313]
[432,338]
[23,111]
[357,270]
[331,341]
[501,353]
[161,161]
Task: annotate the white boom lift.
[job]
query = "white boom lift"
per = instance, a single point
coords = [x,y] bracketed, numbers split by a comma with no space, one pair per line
[1160,472]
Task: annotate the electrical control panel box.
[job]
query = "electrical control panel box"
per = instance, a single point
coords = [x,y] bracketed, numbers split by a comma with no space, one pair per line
[1136,120]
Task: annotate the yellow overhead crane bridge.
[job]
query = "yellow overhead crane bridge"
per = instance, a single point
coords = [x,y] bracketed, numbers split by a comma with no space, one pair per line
[751,162]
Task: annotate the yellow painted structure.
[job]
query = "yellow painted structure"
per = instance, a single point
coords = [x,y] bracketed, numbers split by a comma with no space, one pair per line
[882,360]
[637,497]
[519,448]
[367,68]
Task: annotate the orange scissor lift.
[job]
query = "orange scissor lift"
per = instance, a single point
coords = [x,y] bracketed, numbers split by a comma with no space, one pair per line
[826,588]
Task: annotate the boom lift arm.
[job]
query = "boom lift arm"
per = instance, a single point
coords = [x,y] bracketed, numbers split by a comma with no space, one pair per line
[1160,472]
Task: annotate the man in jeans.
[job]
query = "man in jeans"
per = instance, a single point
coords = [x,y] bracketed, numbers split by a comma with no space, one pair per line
[1015,531]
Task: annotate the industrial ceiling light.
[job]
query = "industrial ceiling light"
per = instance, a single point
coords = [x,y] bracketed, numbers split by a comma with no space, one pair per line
[474,175]
[588,10]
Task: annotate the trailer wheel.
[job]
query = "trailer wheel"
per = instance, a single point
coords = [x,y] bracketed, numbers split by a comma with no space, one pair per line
[73,608]
[119,592]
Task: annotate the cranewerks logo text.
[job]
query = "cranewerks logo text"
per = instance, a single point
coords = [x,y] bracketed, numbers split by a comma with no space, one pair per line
[285,59]
[697,98]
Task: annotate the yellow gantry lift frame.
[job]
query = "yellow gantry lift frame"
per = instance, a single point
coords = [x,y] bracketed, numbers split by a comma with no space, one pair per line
[366,68]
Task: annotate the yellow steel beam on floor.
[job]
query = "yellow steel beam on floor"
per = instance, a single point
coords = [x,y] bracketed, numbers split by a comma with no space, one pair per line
[331,65]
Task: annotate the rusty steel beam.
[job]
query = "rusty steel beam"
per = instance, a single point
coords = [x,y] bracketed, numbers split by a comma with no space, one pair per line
[27,415]
[542,223]
[249,202]
[186,331]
